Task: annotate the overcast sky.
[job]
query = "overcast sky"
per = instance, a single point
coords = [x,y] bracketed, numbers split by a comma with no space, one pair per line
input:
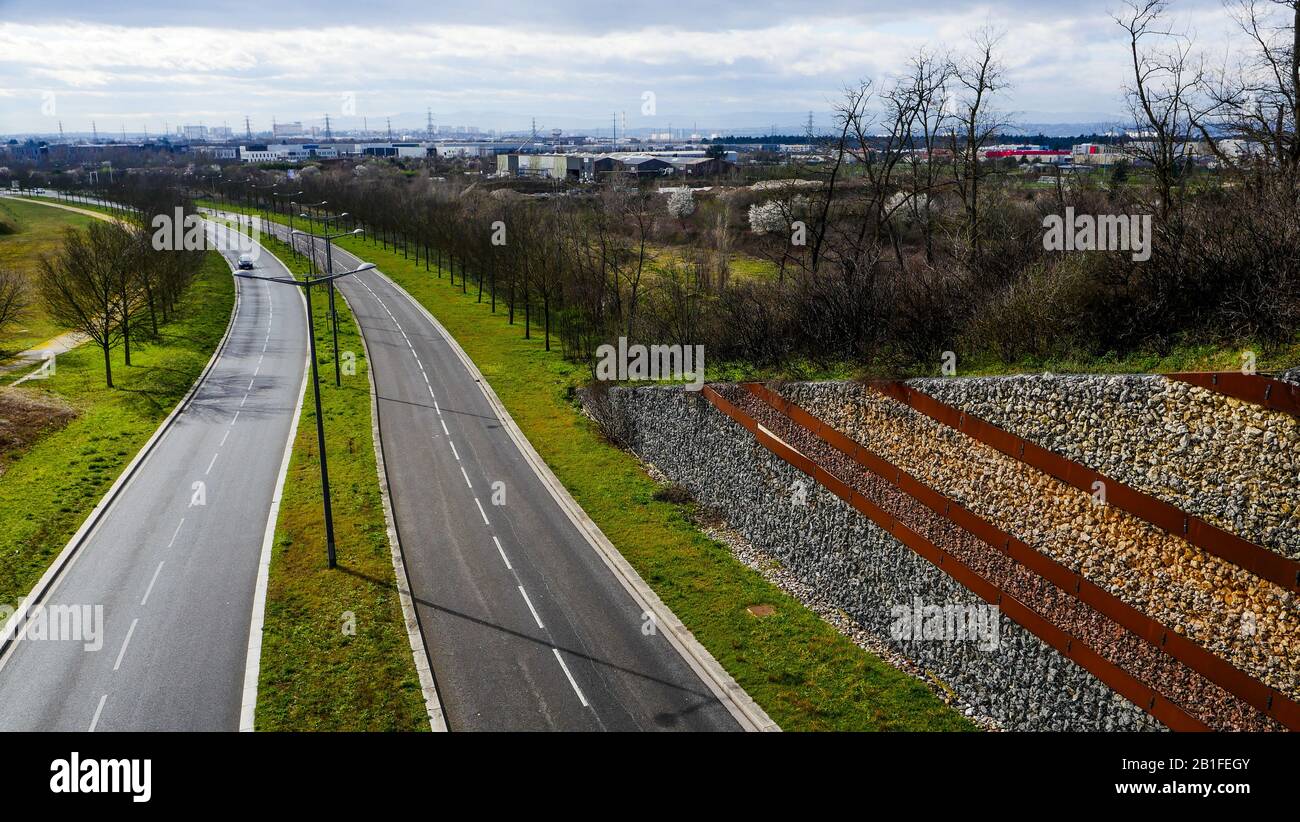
[495,63]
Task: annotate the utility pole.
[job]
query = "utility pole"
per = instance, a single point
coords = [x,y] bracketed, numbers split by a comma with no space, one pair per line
[429,125]
[390,128]
[327,127]
[248,129]
[94,132]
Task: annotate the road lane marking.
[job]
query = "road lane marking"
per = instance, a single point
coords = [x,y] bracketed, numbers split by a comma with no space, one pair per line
[224,437]
[98,710]
[125,642]
[214,462]
[149,590]
[576,689]
[481,512]
[453,450]
[502,551]
[529,602]
[244,400]
[466,476]
[444,427]
[232,422]
[250,383]
[176,533]
[435,403]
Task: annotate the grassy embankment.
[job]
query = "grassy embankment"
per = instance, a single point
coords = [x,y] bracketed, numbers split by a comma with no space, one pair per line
[52,476]
[797,667]
[315,675]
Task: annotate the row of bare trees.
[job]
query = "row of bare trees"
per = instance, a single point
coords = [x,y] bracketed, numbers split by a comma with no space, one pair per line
[112,282]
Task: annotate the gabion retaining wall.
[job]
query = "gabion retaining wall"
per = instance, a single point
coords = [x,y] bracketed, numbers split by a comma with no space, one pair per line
[1234,464]
[1023,684]
[1252,623]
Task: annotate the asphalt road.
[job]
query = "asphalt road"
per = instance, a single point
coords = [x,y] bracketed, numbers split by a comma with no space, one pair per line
[526,627]
[175,578]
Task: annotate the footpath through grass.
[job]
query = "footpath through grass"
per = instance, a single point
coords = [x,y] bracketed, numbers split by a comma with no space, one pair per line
[803,672]
[49,486]
[335,654]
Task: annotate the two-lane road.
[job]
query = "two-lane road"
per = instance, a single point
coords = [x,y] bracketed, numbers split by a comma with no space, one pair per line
[527,625]
[175,558]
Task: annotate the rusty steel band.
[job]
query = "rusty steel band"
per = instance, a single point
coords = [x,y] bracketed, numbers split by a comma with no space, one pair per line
[1246,555]
[1069,646]
[1258,695]
[1275,395]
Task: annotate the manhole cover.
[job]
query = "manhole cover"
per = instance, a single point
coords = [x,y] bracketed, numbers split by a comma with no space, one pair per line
[761,610]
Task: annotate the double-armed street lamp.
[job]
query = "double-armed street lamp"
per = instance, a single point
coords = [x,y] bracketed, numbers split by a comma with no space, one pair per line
[315,384]
[329,269]
[307,211]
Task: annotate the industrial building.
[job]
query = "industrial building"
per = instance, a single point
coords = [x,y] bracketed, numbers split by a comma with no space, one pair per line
[583,166]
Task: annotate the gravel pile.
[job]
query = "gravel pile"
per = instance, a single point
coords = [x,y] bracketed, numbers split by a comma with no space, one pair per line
[1191,691]
[1234,464]
[1250,622]
[1022,684]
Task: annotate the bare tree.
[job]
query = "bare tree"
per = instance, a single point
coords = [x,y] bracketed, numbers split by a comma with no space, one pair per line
[977,77]
[1166,77]
[80,285]
[1254,101]
[13,296]
[930,76]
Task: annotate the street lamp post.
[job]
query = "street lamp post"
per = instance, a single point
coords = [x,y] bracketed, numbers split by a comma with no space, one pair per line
[260,207]
[315,384]
[329,269]
[308,209]
[289,209]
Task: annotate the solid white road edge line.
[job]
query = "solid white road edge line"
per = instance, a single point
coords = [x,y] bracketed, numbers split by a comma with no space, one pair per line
[253,658]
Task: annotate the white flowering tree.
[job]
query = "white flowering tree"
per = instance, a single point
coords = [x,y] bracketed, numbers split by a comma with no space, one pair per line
[775,216]
[681,204]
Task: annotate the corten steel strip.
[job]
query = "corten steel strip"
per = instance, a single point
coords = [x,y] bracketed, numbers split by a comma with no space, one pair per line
[1275,395]
[1246,555]
[1258,695]
[1069,646]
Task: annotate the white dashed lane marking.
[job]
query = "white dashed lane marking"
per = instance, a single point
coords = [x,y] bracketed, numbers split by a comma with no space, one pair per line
[125,642]
[500,550]
[99,709]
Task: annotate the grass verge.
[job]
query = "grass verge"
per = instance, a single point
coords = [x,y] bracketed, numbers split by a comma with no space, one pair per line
[803,672]
[38,230]
[50,485]
[335,654]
